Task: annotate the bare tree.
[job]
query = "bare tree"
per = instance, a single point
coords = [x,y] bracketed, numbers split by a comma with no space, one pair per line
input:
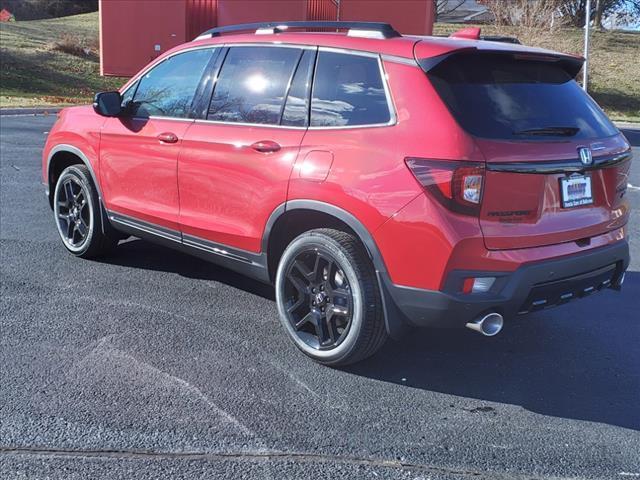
[574,10]
[526,13]
[564,12]
[597,17]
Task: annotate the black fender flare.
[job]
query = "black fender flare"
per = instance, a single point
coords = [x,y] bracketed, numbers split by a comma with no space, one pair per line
[62,147]
[395,322]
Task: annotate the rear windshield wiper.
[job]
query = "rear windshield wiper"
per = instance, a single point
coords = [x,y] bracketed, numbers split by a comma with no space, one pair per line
[550,131]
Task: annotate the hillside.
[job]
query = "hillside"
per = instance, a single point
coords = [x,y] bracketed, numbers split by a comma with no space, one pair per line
[56,61]
[33,69]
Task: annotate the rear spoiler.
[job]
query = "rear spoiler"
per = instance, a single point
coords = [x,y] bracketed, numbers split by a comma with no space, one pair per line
[570,64]
[473,33]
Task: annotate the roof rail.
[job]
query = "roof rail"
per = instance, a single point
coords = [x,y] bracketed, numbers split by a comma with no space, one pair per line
[357,29]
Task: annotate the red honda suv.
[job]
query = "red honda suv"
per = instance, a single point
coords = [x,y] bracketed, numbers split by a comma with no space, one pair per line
[379,181]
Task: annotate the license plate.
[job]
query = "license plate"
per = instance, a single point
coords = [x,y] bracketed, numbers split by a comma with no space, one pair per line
[576,191]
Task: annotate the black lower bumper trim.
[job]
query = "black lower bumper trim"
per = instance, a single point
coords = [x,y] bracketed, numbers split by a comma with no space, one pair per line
[531,287]
[549,294]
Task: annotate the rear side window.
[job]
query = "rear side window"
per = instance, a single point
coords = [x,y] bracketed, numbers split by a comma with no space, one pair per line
[252,84]
[502,97]
[348,90]
[167,90]
[296,110]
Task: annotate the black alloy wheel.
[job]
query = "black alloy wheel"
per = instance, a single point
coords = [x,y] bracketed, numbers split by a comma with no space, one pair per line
[328,297]
[78,216]
[72,212]
[319,301]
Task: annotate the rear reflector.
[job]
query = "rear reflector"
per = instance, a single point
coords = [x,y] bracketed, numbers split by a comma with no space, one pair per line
[477,284]
[455,185]
[467,285]
[482,284]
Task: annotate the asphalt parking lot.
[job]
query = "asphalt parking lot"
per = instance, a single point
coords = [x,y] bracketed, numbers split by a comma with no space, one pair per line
[152,364]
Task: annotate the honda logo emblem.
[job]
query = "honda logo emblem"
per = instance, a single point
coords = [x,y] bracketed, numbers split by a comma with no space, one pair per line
[585,155]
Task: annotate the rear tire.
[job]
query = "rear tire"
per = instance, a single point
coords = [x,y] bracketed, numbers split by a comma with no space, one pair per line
[78,217]
[328,298]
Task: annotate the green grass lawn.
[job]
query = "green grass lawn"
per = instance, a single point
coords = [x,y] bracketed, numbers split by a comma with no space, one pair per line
[34,73]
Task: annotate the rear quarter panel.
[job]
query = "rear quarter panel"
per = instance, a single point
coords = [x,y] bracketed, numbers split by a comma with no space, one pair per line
[370,180]
[368,177]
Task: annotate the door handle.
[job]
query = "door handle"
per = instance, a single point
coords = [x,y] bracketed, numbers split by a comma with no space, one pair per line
[266,146]
[168,137]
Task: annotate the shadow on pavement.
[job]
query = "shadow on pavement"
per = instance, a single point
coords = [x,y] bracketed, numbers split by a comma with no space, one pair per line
[138,253]
[580,361]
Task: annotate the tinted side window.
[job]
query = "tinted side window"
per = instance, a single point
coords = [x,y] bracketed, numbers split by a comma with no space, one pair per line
[168,89]
[127,96]
[252,84]
[296,110]
[348,90]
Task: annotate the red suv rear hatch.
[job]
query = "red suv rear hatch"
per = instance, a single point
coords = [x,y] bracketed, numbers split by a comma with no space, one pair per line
[556,168]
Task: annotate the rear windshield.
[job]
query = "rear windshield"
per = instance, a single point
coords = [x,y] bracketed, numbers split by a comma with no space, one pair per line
[502,97]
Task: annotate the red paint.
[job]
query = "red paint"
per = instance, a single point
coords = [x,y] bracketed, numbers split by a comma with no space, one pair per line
[6,15]
[322,10]
[247,11]
[315,166]
[407,16]
[233,208]
[549,223]
[215,184]
[133,33]
[132,30]
[472,33]
[201,15]
[138,169]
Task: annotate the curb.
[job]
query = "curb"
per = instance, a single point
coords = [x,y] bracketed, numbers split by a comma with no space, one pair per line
[29,111]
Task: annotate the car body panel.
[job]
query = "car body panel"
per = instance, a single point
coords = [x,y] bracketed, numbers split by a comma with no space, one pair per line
[139,171]
[67,133]
[211,186]
[368,176]
[521,210]
[228,190]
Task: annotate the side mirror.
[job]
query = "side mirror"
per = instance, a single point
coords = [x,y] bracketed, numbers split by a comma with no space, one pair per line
[108,104]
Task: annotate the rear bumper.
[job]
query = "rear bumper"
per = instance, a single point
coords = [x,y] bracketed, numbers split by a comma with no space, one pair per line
[533,286]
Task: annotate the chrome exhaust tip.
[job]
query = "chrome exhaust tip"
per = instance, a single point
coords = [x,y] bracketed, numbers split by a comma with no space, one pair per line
[489,325]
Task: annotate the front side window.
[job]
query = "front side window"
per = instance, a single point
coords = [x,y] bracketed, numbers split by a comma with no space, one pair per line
[127,96]
[167,90]
[348,90]
[252,85]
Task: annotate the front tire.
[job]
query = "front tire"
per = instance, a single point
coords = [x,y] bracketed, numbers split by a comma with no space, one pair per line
[328,298]
[76,210]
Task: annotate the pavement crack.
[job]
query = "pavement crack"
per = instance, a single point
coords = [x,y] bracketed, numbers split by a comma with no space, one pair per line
[255,456]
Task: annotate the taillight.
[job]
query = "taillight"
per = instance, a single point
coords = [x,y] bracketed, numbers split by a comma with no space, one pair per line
[456,185]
